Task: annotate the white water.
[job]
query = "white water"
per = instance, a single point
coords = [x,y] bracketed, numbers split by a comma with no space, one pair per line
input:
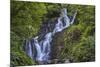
[43,48]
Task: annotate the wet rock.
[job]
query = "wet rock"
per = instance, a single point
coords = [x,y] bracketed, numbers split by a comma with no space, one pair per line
[46,27]
[67,61]
[57,46]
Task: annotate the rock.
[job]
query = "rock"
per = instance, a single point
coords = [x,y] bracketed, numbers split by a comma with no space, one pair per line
[57,46]
[67,61]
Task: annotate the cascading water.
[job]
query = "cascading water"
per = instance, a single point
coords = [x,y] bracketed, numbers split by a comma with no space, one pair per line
[43,47]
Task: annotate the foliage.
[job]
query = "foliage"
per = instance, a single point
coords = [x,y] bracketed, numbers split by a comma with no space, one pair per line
[26,19]
[79,39]
[85,50]
[77,42]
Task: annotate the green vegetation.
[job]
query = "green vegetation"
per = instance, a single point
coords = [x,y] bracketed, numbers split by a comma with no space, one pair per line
[78,41]
[26,19]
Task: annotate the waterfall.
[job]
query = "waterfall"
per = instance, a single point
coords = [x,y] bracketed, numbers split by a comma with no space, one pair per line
[43,47]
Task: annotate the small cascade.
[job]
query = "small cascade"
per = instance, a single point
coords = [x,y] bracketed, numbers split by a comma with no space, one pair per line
[43,46]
